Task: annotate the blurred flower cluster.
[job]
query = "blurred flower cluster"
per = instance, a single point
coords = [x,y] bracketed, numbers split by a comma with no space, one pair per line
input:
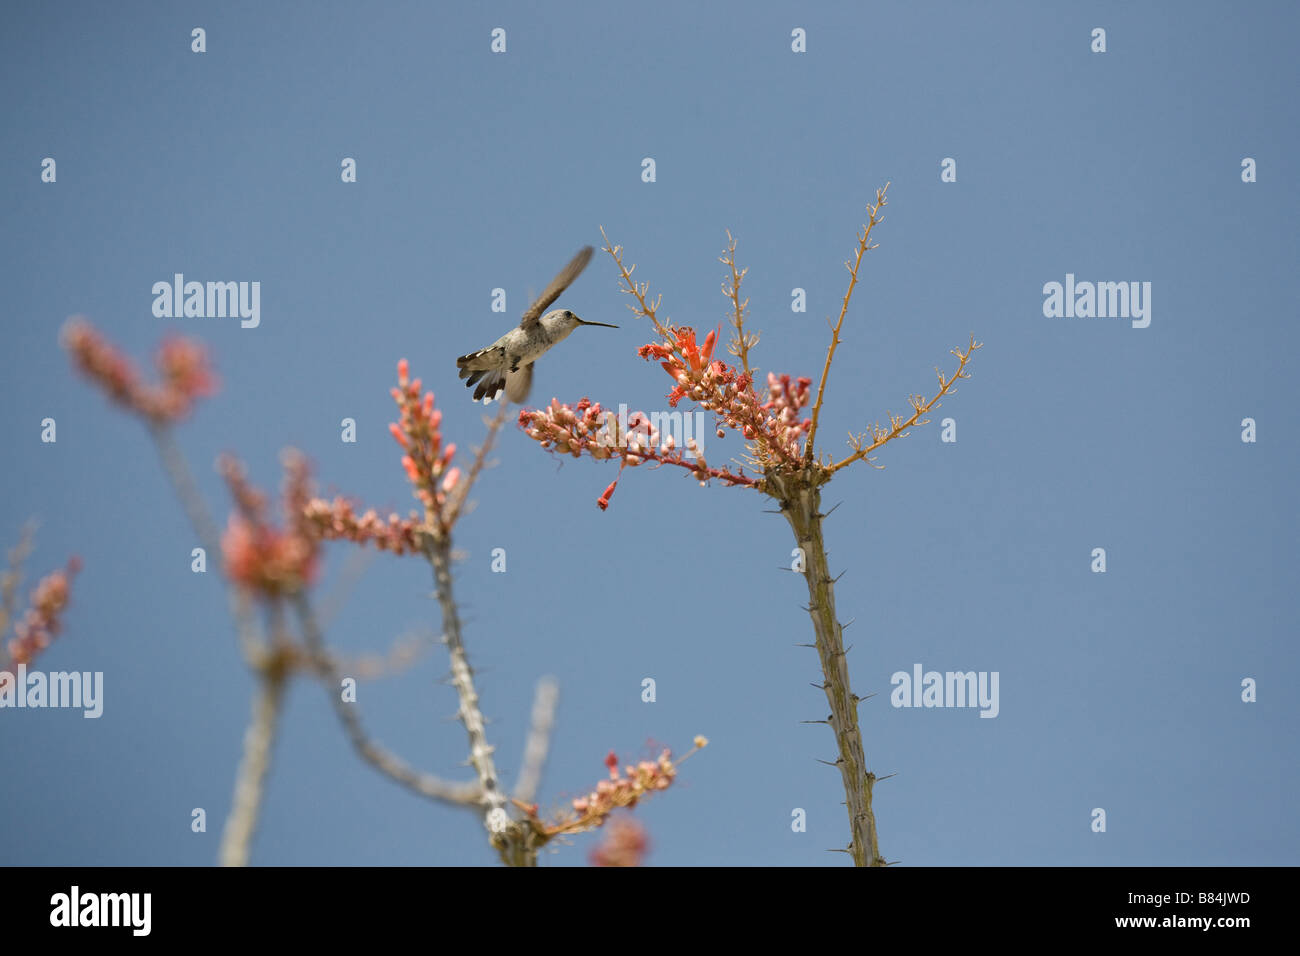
[182,364]
[626,843]
[261,557]
[39,625]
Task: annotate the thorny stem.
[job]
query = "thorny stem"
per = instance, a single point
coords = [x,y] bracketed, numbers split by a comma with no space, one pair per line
[512,839]
[250,781]
[259,737]
[800,501]
[864,246]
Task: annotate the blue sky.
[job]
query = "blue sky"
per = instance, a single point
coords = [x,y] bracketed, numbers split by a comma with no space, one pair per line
[476,171]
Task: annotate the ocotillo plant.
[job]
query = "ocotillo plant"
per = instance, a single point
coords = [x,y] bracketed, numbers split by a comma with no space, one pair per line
[272,569]
[782,455]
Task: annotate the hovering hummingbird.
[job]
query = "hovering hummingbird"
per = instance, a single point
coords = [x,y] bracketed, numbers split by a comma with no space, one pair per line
[508,362]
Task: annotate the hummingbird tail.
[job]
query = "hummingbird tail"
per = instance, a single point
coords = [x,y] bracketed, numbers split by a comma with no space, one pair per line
[486,369]
[492,384]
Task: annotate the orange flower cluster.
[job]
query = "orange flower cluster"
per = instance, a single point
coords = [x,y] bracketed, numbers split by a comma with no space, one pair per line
[182,364]
[420,433]
[40,624]
[259,557]
[586,427]
[686,363]
[427,463]
[772,428]
[729,394]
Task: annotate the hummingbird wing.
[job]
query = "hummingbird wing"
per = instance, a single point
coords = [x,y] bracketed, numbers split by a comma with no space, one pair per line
[519,383]
[481,361]
[557,286]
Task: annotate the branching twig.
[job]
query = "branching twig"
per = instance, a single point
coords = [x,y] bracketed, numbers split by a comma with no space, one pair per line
[402,655]
[187,491]
[898,425]
[743,341]
[383,760]
[637,290]
[864,246]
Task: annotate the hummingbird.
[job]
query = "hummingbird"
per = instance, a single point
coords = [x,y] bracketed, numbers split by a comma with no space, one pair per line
[507,364]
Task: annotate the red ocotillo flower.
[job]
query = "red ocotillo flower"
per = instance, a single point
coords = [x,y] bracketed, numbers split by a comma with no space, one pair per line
[427,461]
[778,440]
[437,484]
[772,428]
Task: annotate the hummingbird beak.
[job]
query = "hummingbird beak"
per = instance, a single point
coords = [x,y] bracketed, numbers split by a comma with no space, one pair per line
[604,325]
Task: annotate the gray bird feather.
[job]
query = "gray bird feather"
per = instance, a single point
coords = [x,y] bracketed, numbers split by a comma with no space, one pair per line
[553,291]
